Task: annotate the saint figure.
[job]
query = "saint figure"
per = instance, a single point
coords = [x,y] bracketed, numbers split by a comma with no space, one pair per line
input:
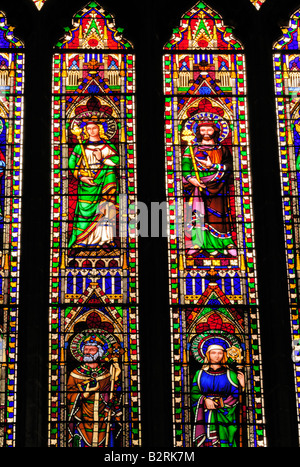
[93,163]
[206,168]
[93,402]
[215,398]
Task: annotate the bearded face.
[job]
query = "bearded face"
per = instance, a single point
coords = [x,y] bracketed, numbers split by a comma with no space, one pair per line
[92,353]
[207,133]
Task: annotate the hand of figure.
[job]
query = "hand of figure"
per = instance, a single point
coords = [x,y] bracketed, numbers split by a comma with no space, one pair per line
[91,386]
[115,368]
[241,378]
[98,154]
[210,404]
[194,181]
[206,163]
[88,180]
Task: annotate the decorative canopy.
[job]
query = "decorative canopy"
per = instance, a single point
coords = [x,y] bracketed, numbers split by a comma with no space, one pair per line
[93,28]
[290,39]
[7,38]
[202,28]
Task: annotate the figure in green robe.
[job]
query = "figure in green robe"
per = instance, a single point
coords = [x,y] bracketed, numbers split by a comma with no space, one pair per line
[94,165]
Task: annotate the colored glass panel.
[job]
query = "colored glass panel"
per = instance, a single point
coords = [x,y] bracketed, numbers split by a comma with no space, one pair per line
[39,3]
[286,60]
[216,359]
[258,3]
[95,399]
[11,154]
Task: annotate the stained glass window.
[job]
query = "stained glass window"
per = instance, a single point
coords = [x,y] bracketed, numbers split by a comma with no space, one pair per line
[286,61]
[212,262]
[94,349]
[257,3]
[11,152]
[39,3]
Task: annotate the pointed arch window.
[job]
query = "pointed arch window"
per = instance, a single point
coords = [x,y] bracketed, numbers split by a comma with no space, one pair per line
[11,163]
[286,61]
[94,289]
[212,264]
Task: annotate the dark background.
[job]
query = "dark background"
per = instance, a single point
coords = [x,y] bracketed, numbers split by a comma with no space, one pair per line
[149,26]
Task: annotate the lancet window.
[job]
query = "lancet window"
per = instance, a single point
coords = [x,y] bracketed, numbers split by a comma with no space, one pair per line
[286,61]
[94,347]
[11,163]
[216,359]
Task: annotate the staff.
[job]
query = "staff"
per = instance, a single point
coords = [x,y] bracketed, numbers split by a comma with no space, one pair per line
[236,354]
[76,130]
[188,136]
[113,370]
